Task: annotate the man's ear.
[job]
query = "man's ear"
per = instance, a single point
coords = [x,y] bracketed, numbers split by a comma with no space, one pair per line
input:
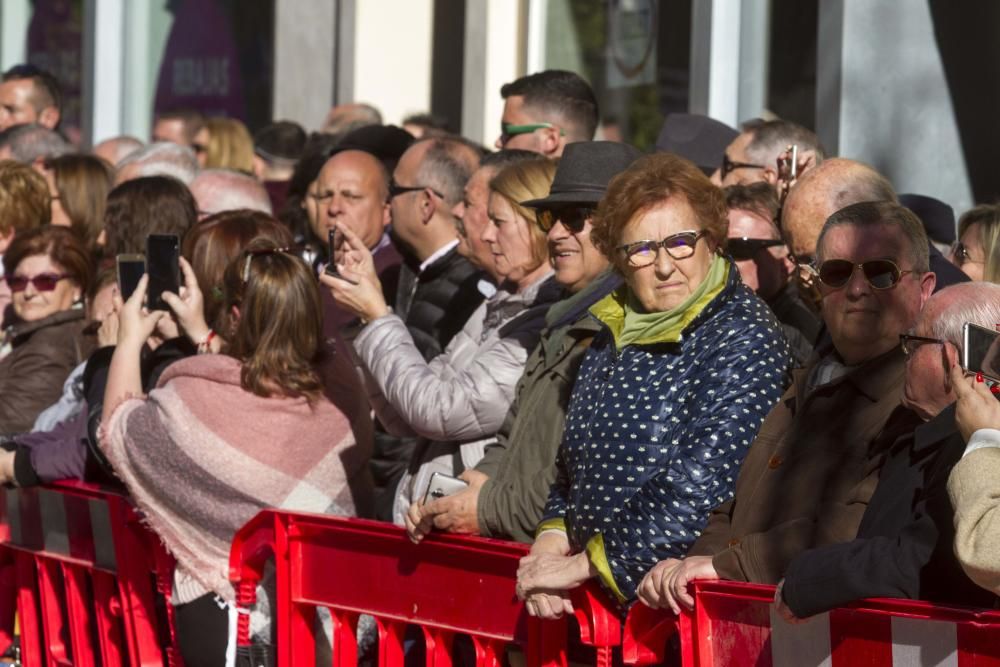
[927,283]
[386,214]
[49,117]
[771,176]
[551,141]
[428,206]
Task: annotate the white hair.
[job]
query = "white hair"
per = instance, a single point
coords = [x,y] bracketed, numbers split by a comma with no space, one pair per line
[160,159]
[119,147]
[975,302]
[218,190]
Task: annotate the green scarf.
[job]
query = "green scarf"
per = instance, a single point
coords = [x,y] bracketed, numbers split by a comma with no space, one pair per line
[630,325]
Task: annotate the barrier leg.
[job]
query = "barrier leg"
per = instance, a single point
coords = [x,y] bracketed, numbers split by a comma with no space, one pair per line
[438,643]
[546,643]
[390,642]
[78,614]
[8,597]
[489,652]
[29,618]
[50,592]
[108,619]
[344,637]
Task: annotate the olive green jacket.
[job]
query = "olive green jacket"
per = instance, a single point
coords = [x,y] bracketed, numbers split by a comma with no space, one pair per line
[521,465]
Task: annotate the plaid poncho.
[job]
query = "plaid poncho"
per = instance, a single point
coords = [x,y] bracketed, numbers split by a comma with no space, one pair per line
[201,456]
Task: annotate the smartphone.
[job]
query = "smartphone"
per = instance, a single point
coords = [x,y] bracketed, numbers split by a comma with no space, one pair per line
[442,485]
[130,270]
[331,267]
[981,350]
[788,168]
[163,253]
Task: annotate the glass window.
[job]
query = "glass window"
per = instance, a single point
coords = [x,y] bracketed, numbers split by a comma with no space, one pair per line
[792,77]
[55,43]
[635,53]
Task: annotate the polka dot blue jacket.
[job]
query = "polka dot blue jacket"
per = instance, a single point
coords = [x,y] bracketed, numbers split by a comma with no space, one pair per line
[655,434]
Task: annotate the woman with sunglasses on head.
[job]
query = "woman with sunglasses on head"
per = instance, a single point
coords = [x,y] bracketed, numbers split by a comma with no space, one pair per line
[977,251]
[669,395]
[456,402]
[48,271]
[223,436]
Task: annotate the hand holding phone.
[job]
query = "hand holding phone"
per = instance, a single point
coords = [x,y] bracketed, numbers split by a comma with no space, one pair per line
[331,267]
[130,270]
[981,350]
[442,485]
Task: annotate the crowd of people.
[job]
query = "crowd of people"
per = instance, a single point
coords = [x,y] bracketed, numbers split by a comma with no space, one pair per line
[732,357]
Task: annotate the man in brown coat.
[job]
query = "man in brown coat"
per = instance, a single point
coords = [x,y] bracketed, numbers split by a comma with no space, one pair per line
[812,469]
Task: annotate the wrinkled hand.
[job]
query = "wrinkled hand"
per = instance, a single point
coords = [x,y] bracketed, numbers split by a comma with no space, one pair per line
[364,299]
[782,609]
[135,323]
[672,588]
[189,306]
[976,406]
[783,181]
[651,585]
[549,605]
[545,572]
[457,513]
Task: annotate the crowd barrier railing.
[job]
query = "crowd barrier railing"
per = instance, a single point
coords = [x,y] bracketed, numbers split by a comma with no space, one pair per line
[736,624]
[83,575]
[446,586]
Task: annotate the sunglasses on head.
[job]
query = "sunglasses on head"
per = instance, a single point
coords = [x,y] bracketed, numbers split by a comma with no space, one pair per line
[879,273]
[43,282]
[508,131]
[573,218]
[729,166]
[746,248]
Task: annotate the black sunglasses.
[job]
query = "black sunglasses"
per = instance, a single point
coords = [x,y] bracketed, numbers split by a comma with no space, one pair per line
[729,166]
[573,218]
[910,343]
[880,273]
[743,248]
[395,189]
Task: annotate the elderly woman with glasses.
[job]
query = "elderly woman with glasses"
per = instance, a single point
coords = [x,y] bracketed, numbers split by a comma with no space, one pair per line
[48,272]
[668,398]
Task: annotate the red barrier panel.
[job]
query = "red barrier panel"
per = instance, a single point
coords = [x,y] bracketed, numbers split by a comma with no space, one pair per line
[447,585]
[82,573]
[735,624]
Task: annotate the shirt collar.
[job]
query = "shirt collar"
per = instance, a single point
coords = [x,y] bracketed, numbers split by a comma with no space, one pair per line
[436,255]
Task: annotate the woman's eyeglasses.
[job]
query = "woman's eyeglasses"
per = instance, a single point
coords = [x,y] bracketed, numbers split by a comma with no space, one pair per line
[573,218]
[746,248]
[678,246]
[879,273]
[43,282]
[961,254]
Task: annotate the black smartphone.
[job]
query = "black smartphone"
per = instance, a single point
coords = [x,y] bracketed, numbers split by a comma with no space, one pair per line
[130,270]
[163,253]
[331,267]
[981,350]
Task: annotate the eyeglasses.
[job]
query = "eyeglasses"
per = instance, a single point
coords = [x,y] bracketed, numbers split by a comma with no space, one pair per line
[507,131]
[911,343]
[199,148]
[730,166]
[43,282]
[260,252]
[961,254]
[879,273]
[573,218]
[746,248]
[395,189]
[678,246]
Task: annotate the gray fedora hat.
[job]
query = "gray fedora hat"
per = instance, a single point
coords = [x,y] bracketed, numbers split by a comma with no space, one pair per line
[584,171]
[698,138]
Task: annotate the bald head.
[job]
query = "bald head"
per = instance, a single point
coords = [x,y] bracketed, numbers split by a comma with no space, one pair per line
[217,190]
[116,149]
[823,191]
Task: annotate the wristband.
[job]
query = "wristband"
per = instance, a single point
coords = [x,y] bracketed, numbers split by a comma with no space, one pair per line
[203,346]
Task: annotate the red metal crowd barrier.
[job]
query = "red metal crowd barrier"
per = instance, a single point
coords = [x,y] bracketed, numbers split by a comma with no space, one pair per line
[83,574]
[447,585]
[735,624]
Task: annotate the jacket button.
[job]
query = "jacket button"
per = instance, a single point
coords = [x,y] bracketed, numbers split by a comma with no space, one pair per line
[733,542]
[774,462]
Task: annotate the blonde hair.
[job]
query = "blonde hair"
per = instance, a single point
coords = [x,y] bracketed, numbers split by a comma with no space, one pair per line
[987,216]
[523,181]
[25,202]
[230,145]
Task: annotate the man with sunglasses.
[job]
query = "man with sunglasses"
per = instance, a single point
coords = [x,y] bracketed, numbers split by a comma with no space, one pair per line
[761,256]
[509,487]
[545,111]
[752,156]
[814,464]
[903,546]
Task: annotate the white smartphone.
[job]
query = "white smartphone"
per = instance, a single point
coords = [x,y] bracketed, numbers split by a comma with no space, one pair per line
[442,485]
[981,350]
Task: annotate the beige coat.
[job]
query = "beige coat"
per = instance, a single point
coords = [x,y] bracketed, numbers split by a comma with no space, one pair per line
[974,487]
